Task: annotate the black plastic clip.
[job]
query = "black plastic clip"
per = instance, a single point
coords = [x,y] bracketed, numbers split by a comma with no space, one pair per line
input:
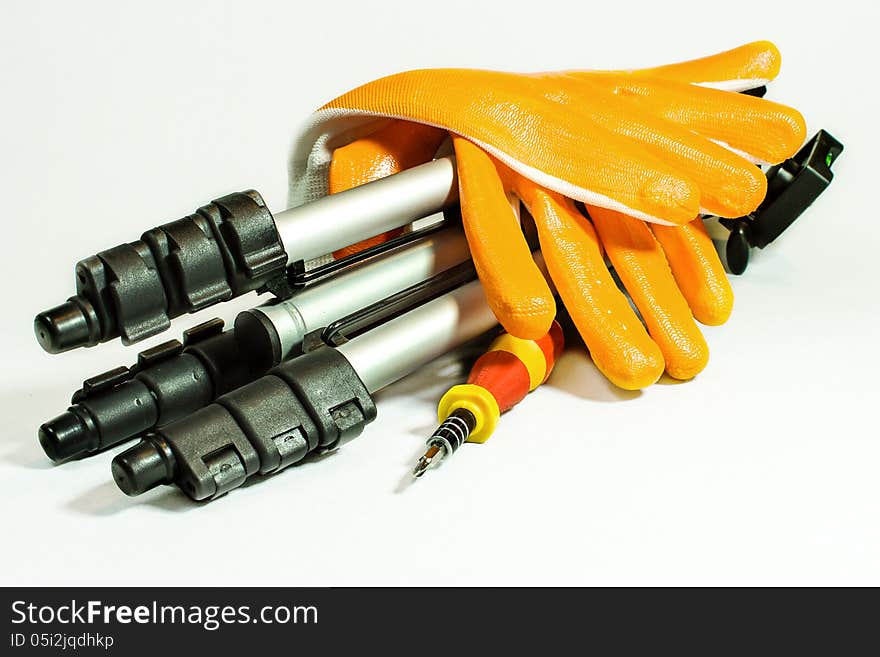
[757,92]
[153,355]
[361,321]
[297,276]
[203,331]
[791,188]
[101,382]
[146,359]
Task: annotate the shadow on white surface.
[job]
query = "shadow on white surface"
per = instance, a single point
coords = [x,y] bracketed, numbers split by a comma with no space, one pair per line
[576,374]
[667,380]
[28,454]
[424,384]
[107,500]
[23,447]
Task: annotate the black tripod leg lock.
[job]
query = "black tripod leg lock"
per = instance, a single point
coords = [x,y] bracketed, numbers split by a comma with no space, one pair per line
[226,248]
[792,186]
[298,277]
[361,321]
[311,404]
[168,382]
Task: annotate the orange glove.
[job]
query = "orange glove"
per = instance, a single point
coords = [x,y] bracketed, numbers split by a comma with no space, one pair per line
[635,146]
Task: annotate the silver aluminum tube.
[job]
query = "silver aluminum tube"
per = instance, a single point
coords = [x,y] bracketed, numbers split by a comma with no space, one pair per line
[320,304]
[338,220]
[392,350]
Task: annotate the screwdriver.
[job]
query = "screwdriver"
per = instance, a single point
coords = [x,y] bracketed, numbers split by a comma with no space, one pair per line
[509,370]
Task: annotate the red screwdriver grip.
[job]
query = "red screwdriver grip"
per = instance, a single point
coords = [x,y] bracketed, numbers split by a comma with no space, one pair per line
[503,375]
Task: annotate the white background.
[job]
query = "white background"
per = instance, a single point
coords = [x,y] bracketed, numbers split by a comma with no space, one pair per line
[764,470]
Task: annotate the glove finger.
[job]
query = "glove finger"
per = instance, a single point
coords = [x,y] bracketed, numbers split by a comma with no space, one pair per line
[514,286]
[513,118]
[392,148]
[746,67]
[640,263]
[764,131]
[730,186]
[697,270]
[618,342]
[396,146]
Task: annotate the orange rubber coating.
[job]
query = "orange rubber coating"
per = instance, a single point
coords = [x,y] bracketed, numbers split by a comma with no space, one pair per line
[723,181]
[515,289]
[504,375]
[759,60]
[641,265]
[578,135]
[618,342]
[745,123]
[666,95]
[762,128]
[697,270]
[396,146]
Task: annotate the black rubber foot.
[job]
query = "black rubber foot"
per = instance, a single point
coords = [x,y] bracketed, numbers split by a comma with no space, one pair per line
[65,437]
[65,327]
[143,467]
[738,248]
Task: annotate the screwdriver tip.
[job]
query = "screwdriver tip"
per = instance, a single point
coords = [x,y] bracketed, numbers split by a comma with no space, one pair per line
[434,454]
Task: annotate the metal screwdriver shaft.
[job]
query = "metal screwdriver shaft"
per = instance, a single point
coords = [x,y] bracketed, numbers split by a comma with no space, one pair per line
[427,459]
[447,438]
